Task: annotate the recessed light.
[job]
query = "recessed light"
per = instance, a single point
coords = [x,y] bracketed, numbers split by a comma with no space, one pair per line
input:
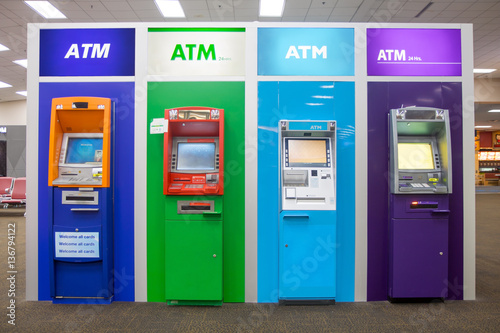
[22,62]
[170,8]
[483,70]
[4,85]
[494,110]
[481,126]
[46,9]
[271,8]
[23,93]
[3,48]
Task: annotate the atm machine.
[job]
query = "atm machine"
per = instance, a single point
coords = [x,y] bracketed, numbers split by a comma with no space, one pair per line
[194,187]
[81,200]
[307,219]
[420,184]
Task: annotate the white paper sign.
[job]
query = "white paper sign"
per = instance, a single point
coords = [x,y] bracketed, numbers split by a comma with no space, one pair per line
[77,244]
[158,126]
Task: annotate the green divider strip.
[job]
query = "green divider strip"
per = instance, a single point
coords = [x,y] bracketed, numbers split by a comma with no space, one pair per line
[197,29]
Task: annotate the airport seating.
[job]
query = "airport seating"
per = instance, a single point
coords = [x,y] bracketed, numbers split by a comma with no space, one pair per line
[6,184]
[18,196]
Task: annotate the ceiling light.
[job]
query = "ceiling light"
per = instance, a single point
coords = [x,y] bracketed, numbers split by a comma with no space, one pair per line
[494,110]
[482,126]
[271,8]
[483,70]
[23,93]
[22,62]
[4,85]
[3,48]
[46,9]
[170,8]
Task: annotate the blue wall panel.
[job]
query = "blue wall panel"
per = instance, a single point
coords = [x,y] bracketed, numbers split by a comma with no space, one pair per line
[304,101]
[122,93]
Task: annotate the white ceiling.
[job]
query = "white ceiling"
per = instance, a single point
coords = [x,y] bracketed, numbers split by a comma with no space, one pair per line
[484,14]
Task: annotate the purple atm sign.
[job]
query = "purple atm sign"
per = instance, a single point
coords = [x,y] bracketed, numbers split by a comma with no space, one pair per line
[414,52]
[87,52]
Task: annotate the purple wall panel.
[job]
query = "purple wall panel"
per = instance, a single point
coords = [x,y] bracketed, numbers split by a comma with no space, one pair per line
[383,96]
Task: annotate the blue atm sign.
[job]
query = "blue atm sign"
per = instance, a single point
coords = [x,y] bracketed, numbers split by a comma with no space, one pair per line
[306,51]
[87,52]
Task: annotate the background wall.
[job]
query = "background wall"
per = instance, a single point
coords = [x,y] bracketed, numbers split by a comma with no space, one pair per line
[16,150]
[13,113]
[487,90]
[13,116]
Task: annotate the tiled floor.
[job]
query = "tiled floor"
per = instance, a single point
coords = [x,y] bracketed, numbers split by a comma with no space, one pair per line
[481,315]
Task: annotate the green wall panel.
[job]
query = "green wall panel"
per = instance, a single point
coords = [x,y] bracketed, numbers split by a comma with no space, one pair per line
[229,96]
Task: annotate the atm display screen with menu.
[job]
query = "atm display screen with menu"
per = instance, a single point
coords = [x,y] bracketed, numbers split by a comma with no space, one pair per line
[306,152]
[415,156]
[195,156]
[84,150]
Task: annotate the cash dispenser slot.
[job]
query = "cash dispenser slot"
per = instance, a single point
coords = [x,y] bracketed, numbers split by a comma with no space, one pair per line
[80,198]
[311,200]
[195,207]
[423,204]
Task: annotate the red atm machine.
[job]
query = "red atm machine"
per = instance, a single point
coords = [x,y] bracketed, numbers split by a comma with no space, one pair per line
[194,151]
[194,187]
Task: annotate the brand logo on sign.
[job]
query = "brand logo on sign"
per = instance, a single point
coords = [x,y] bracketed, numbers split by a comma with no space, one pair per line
[387,55]
[98,51]
[188,51]
[314,51]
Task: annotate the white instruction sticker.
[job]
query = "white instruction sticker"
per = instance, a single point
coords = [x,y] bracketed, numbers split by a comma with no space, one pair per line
[158,126]
[77,244]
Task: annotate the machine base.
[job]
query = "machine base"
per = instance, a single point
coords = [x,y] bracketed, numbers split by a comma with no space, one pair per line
[82,300]
[194,303]
[306,302]
[415,300]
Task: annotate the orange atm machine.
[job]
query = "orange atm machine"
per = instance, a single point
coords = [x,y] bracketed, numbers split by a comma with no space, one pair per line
[194,185]
[81,200]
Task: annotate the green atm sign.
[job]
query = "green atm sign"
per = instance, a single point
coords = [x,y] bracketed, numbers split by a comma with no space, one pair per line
[188,51]
[196,51]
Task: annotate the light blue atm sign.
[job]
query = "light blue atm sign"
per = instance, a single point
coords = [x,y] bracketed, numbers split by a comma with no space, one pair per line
[307,126]
[306,51]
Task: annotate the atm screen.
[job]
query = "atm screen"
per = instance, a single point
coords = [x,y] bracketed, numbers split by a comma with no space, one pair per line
[195,156]
[312,152]
[415,156]
[84,150]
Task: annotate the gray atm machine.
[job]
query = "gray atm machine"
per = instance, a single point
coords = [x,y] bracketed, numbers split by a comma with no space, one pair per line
[420,184]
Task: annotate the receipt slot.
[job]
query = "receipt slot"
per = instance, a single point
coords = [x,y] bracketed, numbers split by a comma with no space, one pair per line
[81,200]
[420,184]
[194,185]
[307,221]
